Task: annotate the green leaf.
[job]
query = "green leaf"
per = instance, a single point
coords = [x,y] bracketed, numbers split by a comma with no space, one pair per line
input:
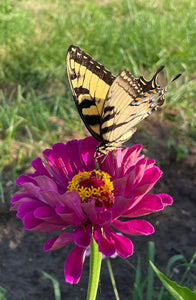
[177,291]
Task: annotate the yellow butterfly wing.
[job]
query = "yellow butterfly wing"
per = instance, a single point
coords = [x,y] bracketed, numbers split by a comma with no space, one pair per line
[89,82]
[129,101]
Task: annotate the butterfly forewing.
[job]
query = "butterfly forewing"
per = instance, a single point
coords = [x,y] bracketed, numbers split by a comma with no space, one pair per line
[89,82]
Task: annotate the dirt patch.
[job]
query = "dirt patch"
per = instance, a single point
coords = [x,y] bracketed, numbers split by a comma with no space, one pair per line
[21,252]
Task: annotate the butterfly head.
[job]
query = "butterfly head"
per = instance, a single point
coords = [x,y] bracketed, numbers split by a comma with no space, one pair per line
[159,93]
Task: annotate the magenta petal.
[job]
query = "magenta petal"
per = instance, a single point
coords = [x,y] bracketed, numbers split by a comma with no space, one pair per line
[74,264]
[59,241]
[89,209]
[39,166]
[105,246]
[47,227]
[32,223]
[25,178]
[132,155]
[104,218]
[124,247]
[139,170]
[150,163]
[96,216]
[150,177]
[120,185]
[128,184]
[87,152]
[83,236]
[166,199]
[134,227]
[49,244]
[124,159]
[148,204]
[68,218]
[17,199]
[71,158]
[57,166]
[50,198]
[47,214]
[32,191]
[27,207]
[44,212]
[120,205]
[46,184]
[71,200]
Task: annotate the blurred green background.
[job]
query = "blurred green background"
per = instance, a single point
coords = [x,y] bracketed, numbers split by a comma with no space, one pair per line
[36,106]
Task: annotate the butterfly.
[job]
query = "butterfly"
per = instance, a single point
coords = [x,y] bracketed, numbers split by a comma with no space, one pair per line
[110,106]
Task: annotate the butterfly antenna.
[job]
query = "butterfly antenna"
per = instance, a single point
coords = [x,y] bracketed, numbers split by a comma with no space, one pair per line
[158,71]
[176,77]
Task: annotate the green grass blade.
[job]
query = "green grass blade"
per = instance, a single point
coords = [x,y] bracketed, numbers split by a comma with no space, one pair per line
[172,261]
[138,286]
[150,257]
[57,292]
[189,266]
[112,278]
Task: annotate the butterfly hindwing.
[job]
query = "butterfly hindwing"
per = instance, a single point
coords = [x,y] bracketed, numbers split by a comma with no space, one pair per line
[89,82]
[128,103]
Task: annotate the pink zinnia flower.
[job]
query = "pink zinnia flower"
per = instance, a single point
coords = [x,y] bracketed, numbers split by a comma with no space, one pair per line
[67,190]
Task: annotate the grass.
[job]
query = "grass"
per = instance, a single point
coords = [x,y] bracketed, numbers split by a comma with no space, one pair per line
[36,106]
[178,269]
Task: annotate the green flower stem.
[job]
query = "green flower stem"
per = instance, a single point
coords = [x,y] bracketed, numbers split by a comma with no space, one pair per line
[95,267]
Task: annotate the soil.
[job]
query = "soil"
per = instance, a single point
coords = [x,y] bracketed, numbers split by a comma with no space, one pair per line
[23,259]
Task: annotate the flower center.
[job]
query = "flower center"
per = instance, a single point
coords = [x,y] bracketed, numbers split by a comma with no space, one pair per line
[93,185]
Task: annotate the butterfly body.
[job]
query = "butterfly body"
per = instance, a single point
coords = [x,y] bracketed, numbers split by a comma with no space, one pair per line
[110,106]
